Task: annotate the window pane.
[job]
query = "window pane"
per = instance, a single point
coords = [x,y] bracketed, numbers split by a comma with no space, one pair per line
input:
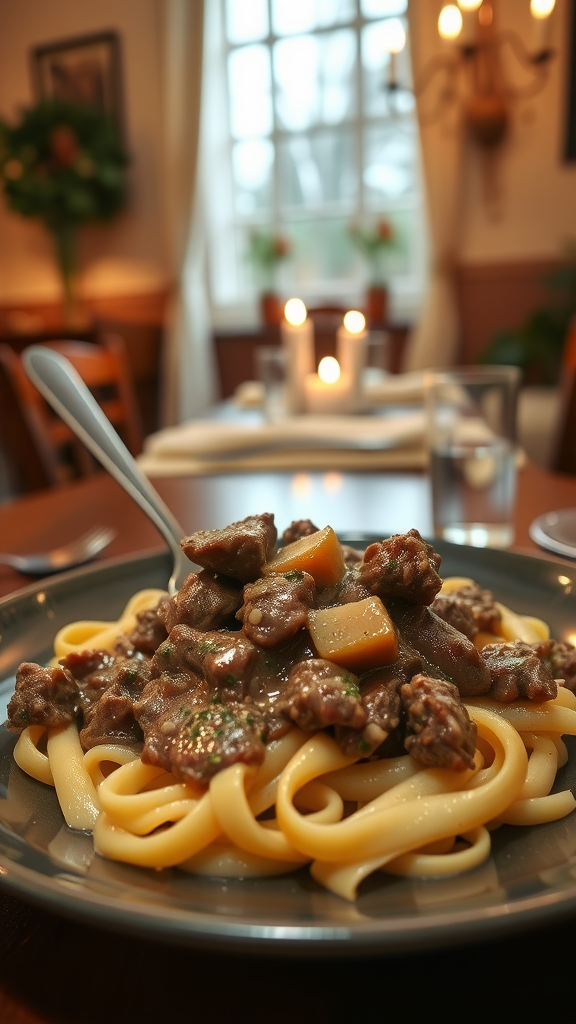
[252,164]
[314,79]
[375,71]
[246,20]
[383,8]
[390,162]
[291,17]
[250,91]
[317,171]
[322,252]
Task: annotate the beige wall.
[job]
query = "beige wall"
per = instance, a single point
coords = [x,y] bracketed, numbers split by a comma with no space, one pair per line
[125,257]
[536,210]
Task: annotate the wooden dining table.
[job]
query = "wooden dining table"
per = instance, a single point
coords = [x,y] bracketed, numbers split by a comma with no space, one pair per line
[55,970]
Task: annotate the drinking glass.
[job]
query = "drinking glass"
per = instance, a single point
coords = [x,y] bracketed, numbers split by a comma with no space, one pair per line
[471,419]
[272,372]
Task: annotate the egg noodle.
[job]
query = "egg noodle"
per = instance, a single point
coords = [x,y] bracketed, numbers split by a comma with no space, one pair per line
[323,808]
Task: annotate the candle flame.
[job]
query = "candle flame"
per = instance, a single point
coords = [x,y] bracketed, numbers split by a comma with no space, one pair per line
[541,8]
[450,22]
[295,312]
[329,370]
[394,36]
[354,321]
[469,5]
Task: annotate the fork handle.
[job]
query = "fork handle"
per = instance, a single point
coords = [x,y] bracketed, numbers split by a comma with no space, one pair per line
[64,389]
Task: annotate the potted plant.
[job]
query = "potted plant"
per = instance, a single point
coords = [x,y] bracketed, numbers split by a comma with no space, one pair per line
[266,250]
[63,164]
[374,242]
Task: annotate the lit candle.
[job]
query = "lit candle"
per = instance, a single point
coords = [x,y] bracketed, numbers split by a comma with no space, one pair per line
[450,23]
[327,391]
[351,347]
[541,11]
[297,335]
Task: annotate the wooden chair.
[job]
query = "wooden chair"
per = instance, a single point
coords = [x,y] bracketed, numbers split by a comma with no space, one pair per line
[40,448]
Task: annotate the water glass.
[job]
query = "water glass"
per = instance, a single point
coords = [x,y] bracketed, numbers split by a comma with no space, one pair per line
[471,420]
[272,372]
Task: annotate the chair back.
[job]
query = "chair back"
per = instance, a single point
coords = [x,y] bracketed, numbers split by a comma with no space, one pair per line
[58,454]
[563,447]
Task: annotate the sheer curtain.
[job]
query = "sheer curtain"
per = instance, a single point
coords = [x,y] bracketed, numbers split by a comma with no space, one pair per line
[435,338]
[188,372]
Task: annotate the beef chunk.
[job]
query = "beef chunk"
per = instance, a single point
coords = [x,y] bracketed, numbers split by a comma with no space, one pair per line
[352,556]
[561,660]
[93,672]
[44,696]
[518,670]
[440,732]
[456,614]
[320,693]
[168,693]
[298,528]
[205,601]
[195,744]
[276,607]
[473,601]
[111,719]
[223,659]
[239,550]
[349,589]
[403,566]
[442,646]
[150,629]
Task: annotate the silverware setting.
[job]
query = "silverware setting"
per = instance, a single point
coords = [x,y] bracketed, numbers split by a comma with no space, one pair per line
[77,552]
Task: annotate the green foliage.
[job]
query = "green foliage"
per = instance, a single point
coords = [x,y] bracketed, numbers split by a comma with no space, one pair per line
[62,164]
[537,345]
[374,242]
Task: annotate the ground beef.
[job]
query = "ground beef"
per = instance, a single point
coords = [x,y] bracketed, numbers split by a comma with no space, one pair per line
[43,696]
[456,614]
[518,670]
[196,744]
[403,566]
[561,660]
[320,694]
[239,550]
[442,647]
[276,607]
[439,730]
[298,528]
[205,601]
[473,600]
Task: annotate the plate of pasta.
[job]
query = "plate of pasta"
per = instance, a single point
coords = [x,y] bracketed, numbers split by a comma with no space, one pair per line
[320,744]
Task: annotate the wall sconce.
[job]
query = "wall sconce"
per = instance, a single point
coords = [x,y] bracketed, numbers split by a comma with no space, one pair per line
[470,73]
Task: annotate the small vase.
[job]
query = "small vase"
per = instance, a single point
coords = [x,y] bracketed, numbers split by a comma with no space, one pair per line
[271,309]
[376,304]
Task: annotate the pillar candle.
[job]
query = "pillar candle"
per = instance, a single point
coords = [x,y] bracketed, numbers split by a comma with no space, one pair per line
[297,336]
[323,397]
[351,352]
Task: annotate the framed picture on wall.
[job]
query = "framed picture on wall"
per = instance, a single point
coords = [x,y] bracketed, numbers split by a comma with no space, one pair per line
[85,69]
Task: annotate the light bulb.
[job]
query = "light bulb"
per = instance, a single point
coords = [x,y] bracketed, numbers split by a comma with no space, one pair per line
[329,369]
[354,321]
[541,8]
[295,312]
[450,22]
[394,36]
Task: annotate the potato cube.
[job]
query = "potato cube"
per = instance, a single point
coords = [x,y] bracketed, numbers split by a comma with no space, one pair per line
[359,635]
[319,554]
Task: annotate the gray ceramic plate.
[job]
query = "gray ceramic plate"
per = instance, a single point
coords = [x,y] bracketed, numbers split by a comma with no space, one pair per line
[529,880]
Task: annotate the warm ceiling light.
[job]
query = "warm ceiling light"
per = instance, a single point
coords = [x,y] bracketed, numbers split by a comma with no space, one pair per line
[329,370]
[469,5]
[354,321]
[450,22]
[295,312]
[394,36]
[541,8]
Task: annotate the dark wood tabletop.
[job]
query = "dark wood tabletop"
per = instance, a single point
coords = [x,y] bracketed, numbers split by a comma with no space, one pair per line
[58,970]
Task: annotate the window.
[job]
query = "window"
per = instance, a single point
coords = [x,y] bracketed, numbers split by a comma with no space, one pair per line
[304,139]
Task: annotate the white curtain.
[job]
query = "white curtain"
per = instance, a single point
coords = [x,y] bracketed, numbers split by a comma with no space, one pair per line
[188,385]
[434,341]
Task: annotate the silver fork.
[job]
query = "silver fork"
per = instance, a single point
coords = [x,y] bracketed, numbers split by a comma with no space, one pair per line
[77,552]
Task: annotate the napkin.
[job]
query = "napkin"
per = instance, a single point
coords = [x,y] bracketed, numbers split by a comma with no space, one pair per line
[294,443]
[380,389]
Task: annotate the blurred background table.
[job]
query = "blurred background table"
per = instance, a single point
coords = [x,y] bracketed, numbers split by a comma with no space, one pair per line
[56,971]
